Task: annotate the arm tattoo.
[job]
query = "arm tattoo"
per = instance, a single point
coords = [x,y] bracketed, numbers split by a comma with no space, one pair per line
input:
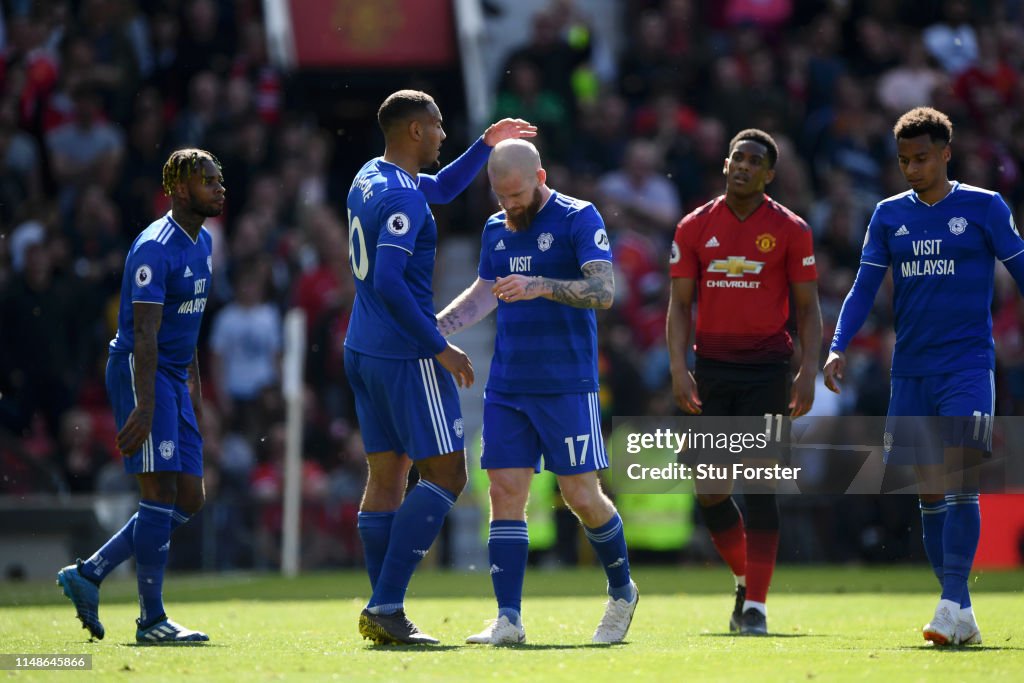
[595,290]
[467,309]
[457,316]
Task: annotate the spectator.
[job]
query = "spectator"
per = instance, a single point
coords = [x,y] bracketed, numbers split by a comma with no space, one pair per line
[246,348]
[640,189]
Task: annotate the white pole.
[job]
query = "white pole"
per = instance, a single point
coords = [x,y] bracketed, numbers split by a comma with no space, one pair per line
[469,24]
[294,360]
[280,34]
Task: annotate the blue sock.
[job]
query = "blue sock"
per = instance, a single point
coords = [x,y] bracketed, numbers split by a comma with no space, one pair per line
[610,545]
[507,550]
[152,541]
[959,541]
[120,547]
[375,532]
[417,523]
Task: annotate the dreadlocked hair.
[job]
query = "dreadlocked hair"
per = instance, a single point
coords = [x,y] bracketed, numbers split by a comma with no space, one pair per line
[182,164]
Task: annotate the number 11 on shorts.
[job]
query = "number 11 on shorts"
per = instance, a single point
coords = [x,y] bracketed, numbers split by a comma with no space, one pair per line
[585,438]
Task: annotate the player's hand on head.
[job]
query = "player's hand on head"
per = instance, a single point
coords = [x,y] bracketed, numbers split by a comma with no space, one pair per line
[834,368]
[454,360]
[802,396]
[508,129]
[684,389]
[135,431]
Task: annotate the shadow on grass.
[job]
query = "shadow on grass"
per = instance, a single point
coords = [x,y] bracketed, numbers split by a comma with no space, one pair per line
[411,648]
[490,648]
[765,636]
[960,649]
[135,643]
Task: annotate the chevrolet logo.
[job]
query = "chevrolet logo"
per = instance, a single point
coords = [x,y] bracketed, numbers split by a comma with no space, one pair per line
[735,266]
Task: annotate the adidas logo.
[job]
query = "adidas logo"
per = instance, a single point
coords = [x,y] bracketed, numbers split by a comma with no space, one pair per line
[495,569]
[901,232]
[165,546]
[421,553]
[188,272]
[617,563]
[500,246]
[713,242]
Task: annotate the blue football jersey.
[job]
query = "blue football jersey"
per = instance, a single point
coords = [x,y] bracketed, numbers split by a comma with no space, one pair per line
[943,261]
[387,210]
[542,346]
[164,266]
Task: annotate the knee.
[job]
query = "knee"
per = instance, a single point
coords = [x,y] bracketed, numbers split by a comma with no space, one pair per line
[454,479]
[504,491]
[508,497]
[451,476]
[191,504]
[387,485]
[762,511]
[447,471]
[590,505]
[159,488]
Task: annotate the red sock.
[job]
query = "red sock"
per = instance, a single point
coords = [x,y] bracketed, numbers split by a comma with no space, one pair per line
[762,546]
[731,544]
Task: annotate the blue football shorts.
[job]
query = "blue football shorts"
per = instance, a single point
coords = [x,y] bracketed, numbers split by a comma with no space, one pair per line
[563,428]
[174,444]
[405,405]
[928,414]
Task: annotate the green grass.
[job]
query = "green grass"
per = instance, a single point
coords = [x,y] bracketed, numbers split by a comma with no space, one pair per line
[828,624]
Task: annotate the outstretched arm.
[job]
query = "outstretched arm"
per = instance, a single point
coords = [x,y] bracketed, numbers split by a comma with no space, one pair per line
[595,290]
[451,180]
[467,308]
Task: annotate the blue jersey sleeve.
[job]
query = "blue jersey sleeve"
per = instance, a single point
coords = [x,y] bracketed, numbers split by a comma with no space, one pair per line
[389,283]
[857,305]
[148,268]
[456,176]
[876,244]
[590,237]
[402,214]
[1001,232]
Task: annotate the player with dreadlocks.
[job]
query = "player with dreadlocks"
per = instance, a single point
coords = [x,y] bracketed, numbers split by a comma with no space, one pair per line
[153,384]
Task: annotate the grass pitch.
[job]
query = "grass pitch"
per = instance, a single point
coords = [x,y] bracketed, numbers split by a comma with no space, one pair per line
[827,624]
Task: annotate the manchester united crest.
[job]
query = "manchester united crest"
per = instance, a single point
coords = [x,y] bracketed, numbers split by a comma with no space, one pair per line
[765,242]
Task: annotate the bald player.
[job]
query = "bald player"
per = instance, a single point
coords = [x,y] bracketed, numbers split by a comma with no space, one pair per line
[545,264]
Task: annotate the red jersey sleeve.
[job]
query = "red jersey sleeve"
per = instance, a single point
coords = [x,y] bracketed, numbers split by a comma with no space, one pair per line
[800,256]
[683,261]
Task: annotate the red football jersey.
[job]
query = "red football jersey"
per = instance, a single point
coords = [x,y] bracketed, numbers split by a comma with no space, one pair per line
[743,271]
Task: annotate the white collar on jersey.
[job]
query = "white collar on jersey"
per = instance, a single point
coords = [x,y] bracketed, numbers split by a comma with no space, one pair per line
[183,230]
[954,185]
[415,179]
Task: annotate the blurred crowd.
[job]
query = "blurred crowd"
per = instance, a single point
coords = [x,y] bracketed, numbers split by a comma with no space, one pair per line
[94,94]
